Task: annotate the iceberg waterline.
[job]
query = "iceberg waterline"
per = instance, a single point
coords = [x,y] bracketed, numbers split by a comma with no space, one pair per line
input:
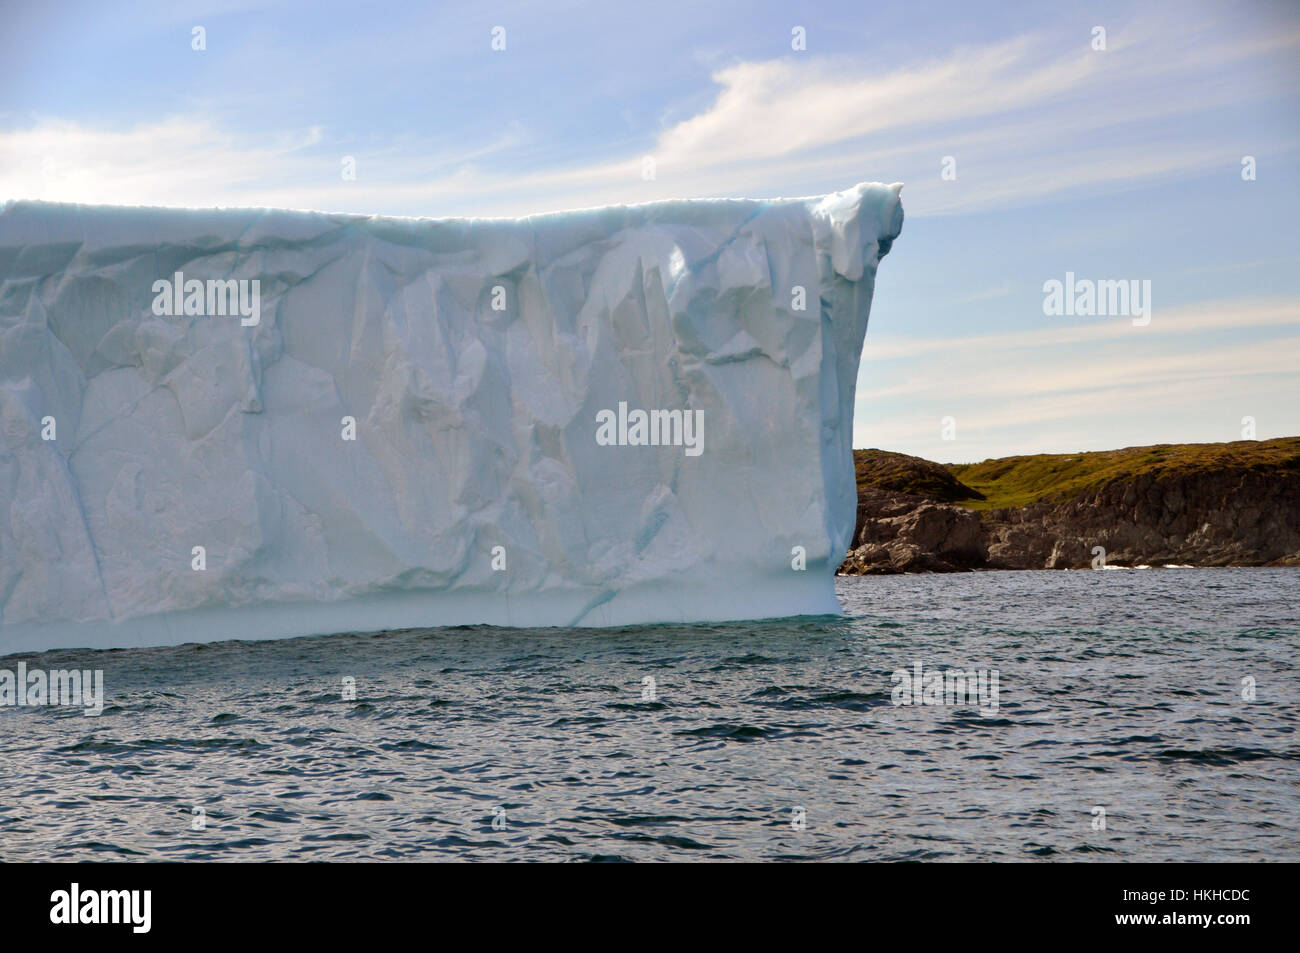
[408,434]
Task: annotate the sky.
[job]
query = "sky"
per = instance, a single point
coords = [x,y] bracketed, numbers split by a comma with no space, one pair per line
[1139,142]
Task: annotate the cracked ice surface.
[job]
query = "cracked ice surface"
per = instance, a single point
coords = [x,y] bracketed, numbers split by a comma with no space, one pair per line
[475,415]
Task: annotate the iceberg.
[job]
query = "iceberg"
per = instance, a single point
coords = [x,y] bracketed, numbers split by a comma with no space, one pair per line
[249,423]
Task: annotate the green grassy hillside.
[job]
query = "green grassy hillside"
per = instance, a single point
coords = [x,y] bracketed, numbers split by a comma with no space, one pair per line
[903,474]
[1017,481]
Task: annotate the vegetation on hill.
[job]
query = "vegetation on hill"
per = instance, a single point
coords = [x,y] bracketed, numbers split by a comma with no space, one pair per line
[915,476]
[1018,481]
[1225,504]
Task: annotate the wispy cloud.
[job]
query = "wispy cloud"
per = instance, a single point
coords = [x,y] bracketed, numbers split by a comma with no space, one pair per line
[1234,315]
[1027,118]
[1038,389]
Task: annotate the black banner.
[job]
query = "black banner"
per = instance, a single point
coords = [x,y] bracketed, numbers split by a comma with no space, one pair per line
[949,903]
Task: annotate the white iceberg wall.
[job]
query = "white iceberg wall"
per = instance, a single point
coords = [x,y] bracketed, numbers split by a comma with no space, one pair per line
[474,356]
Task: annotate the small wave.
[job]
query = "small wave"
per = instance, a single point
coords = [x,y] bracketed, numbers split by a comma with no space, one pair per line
[1223,756]
[729,732]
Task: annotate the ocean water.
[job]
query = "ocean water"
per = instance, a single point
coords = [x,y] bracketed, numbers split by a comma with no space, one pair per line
[1121,691]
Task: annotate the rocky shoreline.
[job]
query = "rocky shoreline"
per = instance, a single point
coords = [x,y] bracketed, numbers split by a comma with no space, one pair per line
[1234,504]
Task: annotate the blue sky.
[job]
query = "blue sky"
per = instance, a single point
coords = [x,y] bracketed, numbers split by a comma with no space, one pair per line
[1122,163]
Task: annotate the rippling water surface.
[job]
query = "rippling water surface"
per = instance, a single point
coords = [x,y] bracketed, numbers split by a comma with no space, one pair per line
[1120,690]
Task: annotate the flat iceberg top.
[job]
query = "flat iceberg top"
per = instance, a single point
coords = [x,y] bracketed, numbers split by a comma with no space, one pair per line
[255,423]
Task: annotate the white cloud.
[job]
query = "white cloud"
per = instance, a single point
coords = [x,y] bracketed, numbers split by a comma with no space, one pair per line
[1190,375]
[1028,118]
[1235,315]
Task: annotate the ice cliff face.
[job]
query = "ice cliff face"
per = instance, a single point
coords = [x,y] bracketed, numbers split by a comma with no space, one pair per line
[256,424]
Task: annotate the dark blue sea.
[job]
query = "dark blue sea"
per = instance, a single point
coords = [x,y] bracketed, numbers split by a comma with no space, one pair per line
[1141,715]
